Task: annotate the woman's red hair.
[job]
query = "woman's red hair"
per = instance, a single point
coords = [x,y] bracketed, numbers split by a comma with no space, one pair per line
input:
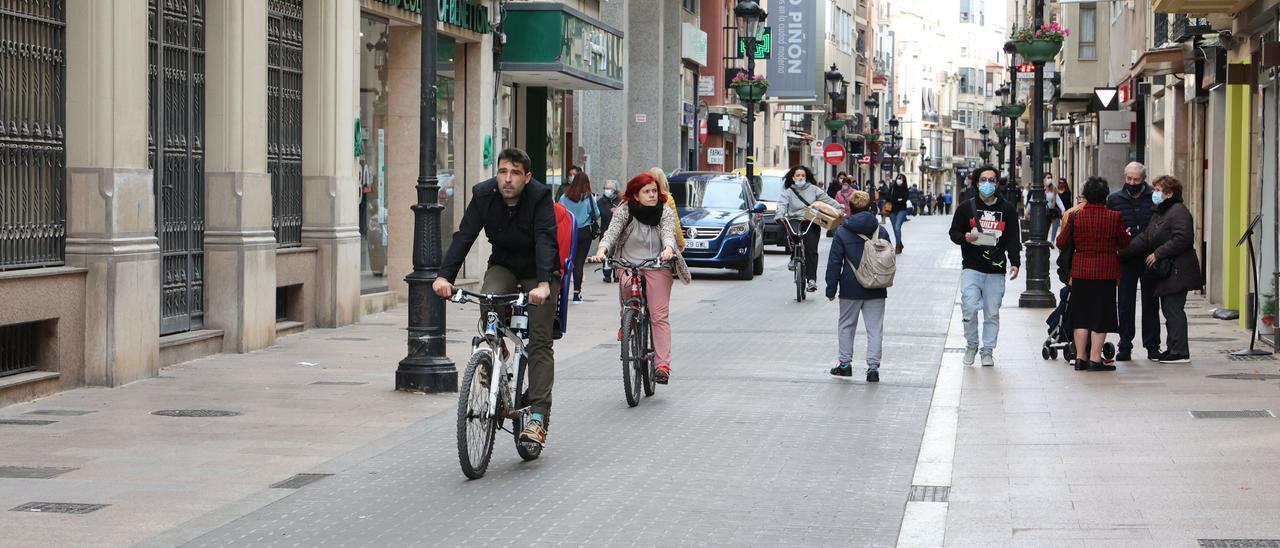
[637,183]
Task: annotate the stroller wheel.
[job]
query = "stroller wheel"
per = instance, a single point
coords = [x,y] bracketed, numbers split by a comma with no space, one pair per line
[1109,351]
[1046,352]
[1070,352]
[1053,353]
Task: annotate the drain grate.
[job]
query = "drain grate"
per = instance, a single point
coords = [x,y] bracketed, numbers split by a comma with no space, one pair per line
[299,480]
[1236,358]
[60,412]
[929,493]
[1245,414]
[1245,377]
[350,339]
[1239,543]
[1210,339]
[195,413]
[59,507]
[338,383]
[952,350]
[25,422]
[33,472]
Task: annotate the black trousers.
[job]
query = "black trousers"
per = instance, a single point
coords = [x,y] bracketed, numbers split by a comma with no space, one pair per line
[580,258]
[1175,322]
[1127,300]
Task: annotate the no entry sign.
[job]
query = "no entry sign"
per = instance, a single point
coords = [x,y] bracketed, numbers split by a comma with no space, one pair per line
[834,154]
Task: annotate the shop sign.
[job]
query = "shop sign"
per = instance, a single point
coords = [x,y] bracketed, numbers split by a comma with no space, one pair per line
[687,110]
[693,45]
[715,156]
[459,13]
[1115,136]
[795,70]
[549,37]
[706,86]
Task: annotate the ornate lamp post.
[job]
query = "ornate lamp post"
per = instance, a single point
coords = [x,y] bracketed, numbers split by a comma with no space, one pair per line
[750,21]
[1037,294]
[894,136]
[833,78]
[426,368]
[873,147]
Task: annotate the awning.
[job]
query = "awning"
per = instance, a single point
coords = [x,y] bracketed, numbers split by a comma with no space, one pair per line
[1161,62]
[1200,7]
[553,45]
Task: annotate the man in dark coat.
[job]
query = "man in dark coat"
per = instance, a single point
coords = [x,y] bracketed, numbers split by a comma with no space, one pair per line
[609,200]
[1133,201]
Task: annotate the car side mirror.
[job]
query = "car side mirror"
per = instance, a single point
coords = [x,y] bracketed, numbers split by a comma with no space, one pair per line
[759,208]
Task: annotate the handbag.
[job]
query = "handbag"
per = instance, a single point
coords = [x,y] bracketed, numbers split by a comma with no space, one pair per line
[596,229]
[1163,268]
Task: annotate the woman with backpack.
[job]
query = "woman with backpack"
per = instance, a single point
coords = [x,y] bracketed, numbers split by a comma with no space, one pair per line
[579,201]
[859,234]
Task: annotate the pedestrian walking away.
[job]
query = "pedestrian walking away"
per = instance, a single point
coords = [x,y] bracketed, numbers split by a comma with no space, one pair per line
[896,203]
[799,193]
[609,200]
[643,228]
[1094,235]
[1054,208]
[1133,201]
[846,256]
[518,217]
[986,229]
[1167,249]
[579,200]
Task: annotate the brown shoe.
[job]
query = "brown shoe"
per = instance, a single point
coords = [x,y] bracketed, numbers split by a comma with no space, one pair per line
[899,249]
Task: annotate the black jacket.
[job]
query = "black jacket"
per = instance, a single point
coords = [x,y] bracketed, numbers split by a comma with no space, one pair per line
[1170,235]
[847,248]
[1137,211]
[605,205]
[1000,217]
[523,237]
[898,196]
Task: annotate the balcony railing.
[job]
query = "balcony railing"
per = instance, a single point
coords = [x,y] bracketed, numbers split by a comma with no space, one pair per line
[1160,32]
[1184,27]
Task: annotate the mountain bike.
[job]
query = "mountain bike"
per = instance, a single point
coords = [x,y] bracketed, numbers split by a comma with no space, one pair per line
[795,240]
[637,354]
[494,383]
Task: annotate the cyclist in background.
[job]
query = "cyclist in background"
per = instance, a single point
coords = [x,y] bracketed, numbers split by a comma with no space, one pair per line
[799,192]
[651,235]
[517,215]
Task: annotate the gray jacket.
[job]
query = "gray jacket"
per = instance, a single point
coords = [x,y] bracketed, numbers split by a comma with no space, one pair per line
[792,207]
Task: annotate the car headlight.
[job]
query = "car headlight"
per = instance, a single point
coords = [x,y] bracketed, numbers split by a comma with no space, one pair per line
[737,230]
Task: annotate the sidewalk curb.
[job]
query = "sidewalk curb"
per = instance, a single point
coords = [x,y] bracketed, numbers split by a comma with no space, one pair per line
[924,523]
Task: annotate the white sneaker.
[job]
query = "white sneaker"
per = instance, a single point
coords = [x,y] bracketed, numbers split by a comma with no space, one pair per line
[987,359]
[970,354]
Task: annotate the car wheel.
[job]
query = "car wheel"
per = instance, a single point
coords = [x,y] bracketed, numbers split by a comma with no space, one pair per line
[747,270]
[757,266]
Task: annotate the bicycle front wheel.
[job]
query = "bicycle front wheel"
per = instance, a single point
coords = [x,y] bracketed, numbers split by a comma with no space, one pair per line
[799,276]
[476,426]
[633,356]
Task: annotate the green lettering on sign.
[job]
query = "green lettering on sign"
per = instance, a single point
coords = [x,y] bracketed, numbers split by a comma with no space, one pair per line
[459,13]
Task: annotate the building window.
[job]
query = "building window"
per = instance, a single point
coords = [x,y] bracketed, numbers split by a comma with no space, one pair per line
[690,5]
[1088,32]
[840,27]
[966,11]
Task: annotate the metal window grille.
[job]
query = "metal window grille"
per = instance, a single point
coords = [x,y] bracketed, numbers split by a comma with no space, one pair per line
[175,145]
[32,139]
[1160,30]
[284,119]
[17,349]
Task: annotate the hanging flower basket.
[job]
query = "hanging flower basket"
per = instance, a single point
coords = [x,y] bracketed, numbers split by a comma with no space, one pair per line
[833,124]
[1039,45]
[985,155]
[1002,132]
[1038,51]
[749,87]
[1013,110]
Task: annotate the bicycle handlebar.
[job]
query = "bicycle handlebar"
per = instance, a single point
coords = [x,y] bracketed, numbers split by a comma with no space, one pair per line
[787,222]
[657,261]
[462,296]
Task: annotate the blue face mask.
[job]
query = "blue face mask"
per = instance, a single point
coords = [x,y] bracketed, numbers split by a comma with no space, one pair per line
[1157,197]
[802,184]
[987,189]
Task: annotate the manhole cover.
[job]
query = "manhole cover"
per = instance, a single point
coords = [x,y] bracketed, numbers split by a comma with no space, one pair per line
[25,422]
[33,472]
[350,339]
[338,383]
[1245,414]
[195,413]
[929,493]
[299,480]
[59,507]
[1239,543]
[1210,339]
[60,412]
[1246,377]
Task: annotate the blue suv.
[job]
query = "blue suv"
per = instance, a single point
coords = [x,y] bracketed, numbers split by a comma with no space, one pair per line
[723,223]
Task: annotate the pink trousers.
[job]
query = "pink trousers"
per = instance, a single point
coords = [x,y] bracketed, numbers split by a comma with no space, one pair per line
[659,293]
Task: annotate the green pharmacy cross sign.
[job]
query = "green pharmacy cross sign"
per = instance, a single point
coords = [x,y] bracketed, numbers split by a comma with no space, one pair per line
[764,45]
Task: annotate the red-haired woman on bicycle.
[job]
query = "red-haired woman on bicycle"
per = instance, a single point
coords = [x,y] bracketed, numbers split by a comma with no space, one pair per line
[652,235]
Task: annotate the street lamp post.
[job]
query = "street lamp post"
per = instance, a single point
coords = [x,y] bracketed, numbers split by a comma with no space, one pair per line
[873,147]
[426,368]
[894,149]
[833,79]
[1037,294]
[924,157]
[750,19]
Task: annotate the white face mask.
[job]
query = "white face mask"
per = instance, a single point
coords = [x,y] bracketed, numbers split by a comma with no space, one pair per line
[802,183]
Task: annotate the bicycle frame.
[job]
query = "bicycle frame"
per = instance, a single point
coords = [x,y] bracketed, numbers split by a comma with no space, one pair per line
[493,338]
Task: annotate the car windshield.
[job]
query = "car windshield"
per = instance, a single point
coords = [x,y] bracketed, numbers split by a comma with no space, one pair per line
[710,193]
[770,188]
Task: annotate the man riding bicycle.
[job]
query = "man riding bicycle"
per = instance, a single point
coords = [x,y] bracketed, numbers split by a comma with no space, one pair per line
[518,217]
[799,193]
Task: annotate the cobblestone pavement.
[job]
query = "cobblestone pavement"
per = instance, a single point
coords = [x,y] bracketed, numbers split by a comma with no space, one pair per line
[752,443]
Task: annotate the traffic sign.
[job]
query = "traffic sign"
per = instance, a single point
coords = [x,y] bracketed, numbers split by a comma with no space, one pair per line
[834,154]
[702,131]
[865,160]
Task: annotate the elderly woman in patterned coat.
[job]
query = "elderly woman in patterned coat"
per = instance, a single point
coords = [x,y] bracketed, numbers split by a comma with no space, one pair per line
[1097,234]
[642,229]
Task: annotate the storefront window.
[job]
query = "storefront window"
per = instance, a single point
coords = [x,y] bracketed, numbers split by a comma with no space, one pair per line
[555,141]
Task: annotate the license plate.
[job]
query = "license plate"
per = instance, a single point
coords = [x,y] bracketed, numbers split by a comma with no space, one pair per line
[519,322]
[697,244]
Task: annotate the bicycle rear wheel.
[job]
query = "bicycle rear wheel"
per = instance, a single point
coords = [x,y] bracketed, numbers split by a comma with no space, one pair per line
[650,366]
[633,356]
[476,427]
[526,451]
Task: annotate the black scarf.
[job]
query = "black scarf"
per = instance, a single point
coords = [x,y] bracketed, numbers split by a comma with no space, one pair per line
[650,215]
[1168,203]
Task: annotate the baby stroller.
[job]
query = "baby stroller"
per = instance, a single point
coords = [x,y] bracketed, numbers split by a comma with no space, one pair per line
[1060,339]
